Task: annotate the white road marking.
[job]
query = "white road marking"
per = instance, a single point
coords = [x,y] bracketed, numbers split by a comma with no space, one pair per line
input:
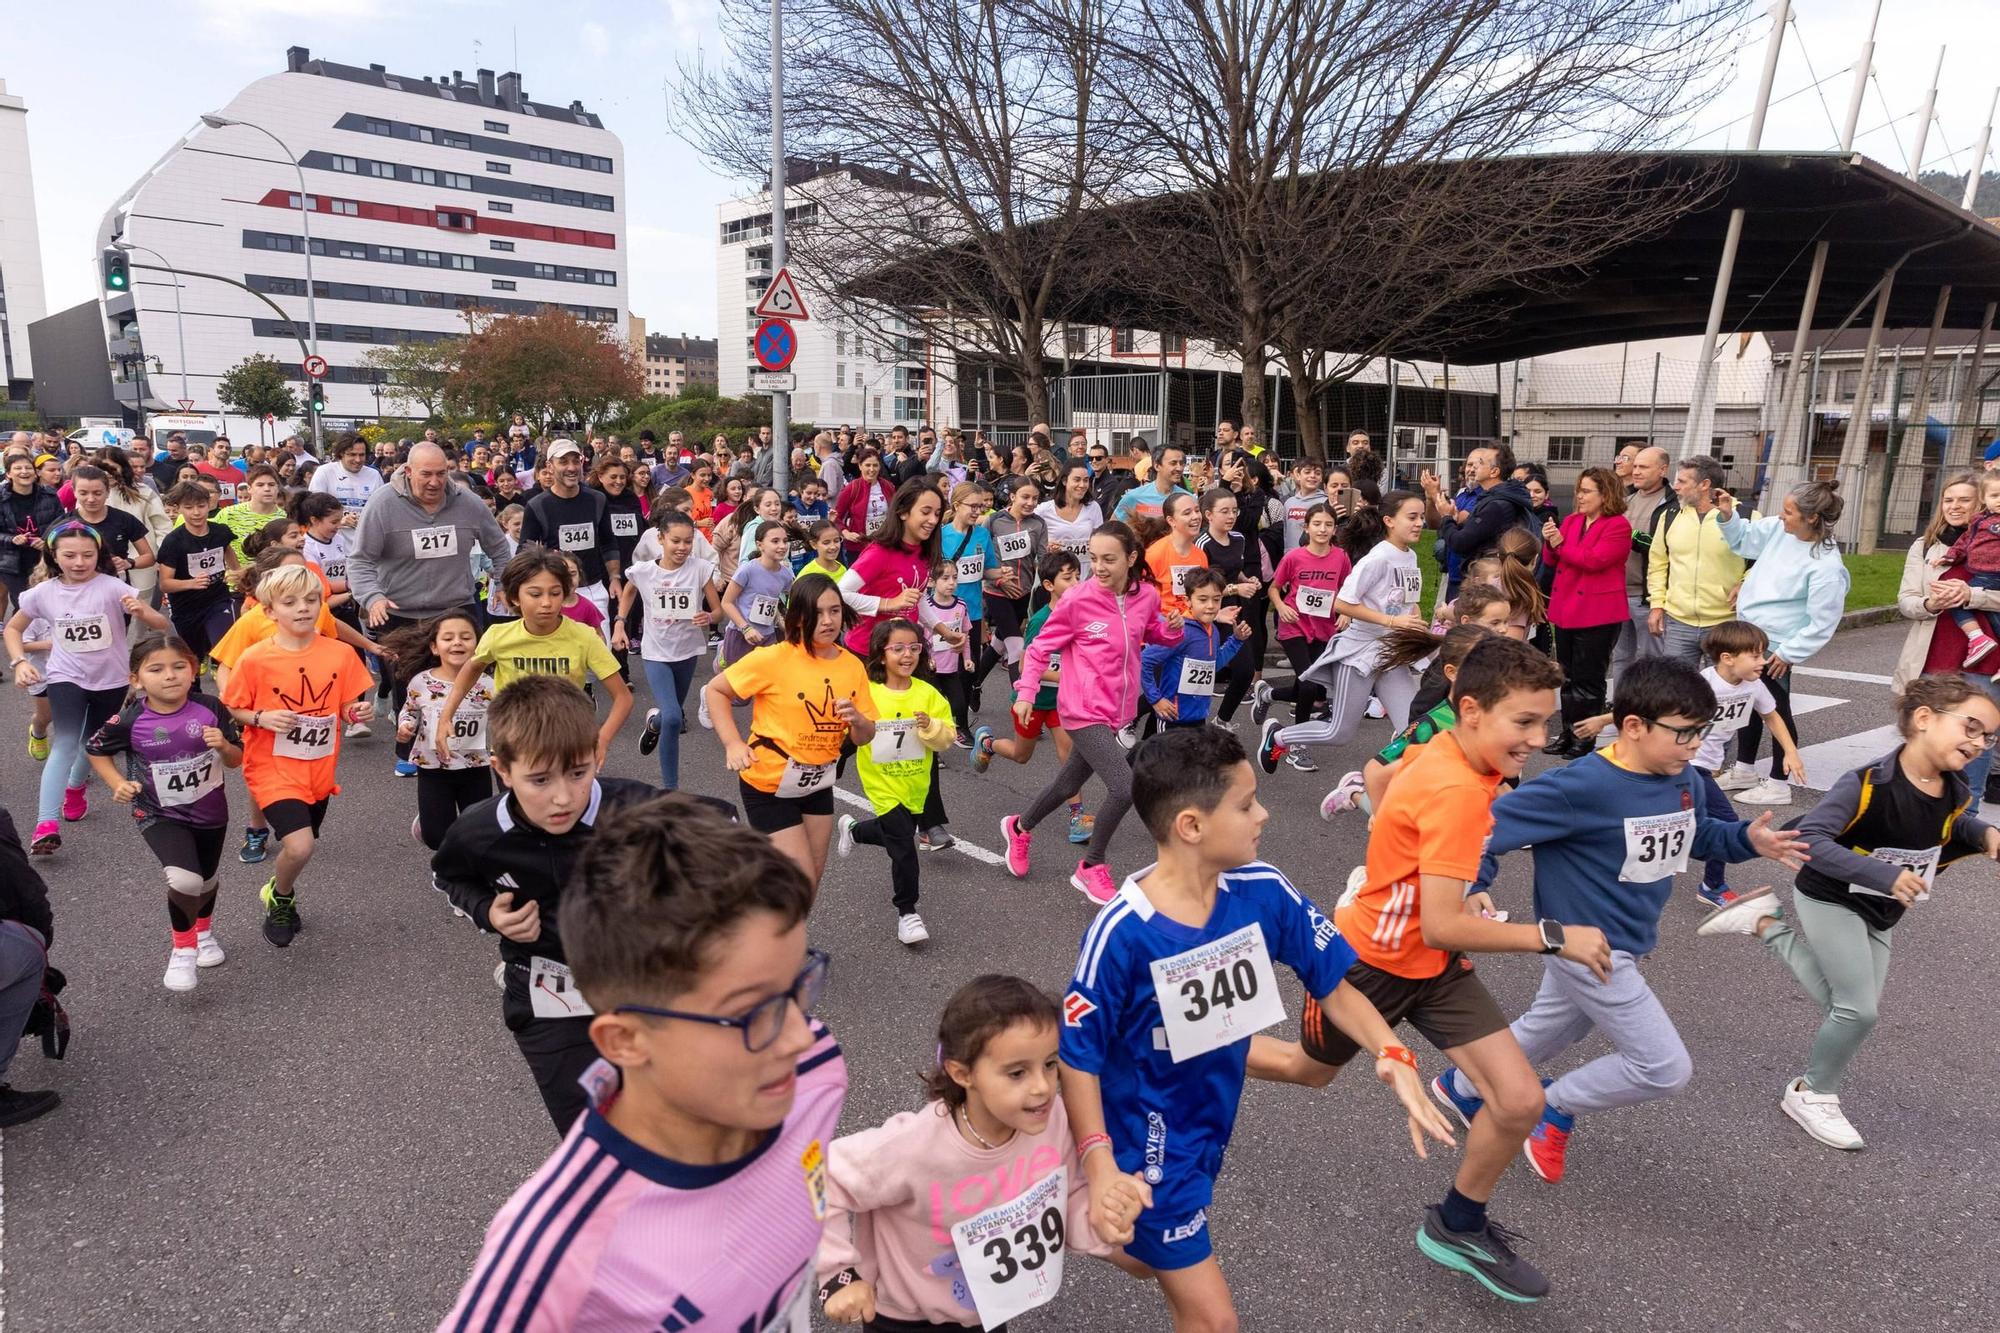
[959,844]
[1829,759]
[1812,703]
[1828,673]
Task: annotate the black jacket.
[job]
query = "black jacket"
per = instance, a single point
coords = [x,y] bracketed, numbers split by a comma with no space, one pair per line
[1504,506]
[36,512]
[23,896]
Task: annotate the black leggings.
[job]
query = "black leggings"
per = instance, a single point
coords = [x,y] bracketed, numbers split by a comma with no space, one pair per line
[952,685]
[1585,656]
[195,852]
[1303,695]
[443,794]
[1242,669]
[1751,737]
[896,834]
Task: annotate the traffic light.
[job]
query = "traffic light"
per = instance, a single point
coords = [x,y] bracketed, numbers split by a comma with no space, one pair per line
[117,270]
[316,399]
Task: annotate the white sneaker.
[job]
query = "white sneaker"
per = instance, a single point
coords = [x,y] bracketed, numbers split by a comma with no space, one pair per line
[182,970]
[843,847]
[1128,735]
[500,975]
[701,713]
[1741,917]
[208,950]
[1738,777]
[910,929]
[1768,792]
[1356,878]
[1375,708]
[1819,1114]
[357,730]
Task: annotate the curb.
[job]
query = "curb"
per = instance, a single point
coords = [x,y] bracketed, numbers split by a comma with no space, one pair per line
[1870,615]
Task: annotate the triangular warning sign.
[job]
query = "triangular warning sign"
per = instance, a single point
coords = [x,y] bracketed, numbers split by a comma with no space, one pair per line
[781,300]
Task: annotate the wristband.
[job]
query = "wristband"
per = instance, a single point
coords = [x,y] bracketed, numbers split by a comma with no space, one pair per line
[846,1277]
[1090,1142]
[1400,1053]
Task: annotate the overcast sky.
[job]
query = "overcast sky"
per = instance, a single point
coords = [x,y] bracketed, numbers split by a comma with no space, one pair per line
[98,118]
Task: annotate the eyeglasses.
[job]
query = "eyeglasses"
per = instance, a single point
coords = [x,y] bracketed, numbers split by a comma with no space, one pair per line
[1975,731]
[764,1021]
[1682,735]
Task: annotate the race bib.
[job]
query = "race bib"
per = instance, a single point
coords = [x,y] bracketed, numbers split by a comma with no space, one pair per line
[468,729]
[576,536]
[763,609]
[1656,846]
[673,604]
[1922,861]
[1177,577]
[84,634]
[1316,602]
[434,543]
[1076,546]
[895,741]
[185,781]
[336,569]
[1012,1254]
[802,780]
[1410,585]
[552,991]
[308,738]
[202,564]
[971,568]
[227,489]
[1730,717]
[1197,677]
[1016,545]
[625,523]
[1218,993]
[878,505]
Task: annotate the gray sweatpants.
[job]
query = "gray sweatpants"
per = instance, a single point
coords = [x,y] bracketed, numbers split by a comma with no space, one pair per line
[1634,639]
[22,960]
[1093,749]
[1647,1058]
[1842,961]
[1347,704]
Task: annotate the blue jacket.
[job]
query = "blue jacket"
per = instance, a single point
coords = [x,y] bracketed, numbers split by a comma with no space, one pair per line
[1575,818]
[1160,667]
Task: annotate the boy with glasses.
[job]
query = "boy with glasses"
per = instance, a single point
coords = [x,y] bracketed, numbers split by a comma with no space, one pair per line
[693,1191]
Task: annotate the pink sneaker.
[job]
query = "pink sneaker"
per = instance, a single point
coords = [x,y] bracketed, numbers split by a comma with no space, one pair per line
[1017,840]
[48,837]
[1094,882]
[1977,646]
[76,803]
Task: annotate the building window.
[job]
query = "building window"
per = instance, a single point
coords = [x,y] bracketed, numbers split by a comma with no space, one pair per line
[1173,344]
[1123,341]
[349,250]
[500,245]
[503,285]
[422,135]
[1565,448]
[392,254]
[496,127]
[498,206]
[500,168]
[276,242]
[545,270]
[604,277]
[540,154]
[423,176]
[384,169]
[1076,341]
[454,180]
[455,141]
[377,127]
[292,201]
[456,221]
[345,207]
[346,164]
[460,261]
[430,258]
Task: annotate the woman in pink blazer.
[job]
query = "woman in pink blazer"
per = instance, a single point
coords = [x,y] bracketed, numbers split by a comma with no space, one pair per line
[1587,604]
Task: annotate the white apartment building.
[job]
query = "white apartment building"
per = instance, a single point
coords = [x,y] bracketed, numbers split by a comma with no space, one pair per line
[22,300]
[429,196]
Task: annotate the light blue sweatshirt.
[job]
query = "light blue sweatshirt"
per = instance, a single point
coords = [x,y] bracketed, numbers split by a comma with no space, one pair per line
[1795,592]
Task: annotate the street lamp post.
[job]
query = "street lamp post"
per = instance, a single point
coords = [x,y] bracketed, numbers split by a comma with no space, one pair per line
[180,330]
[215,120]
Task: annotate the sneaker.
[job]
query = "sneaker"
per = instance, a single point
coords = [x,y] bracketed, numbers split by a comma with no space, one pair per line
[1768,792]
[38,747]
[406,768]
[500,975]
[843,844]
[208,950]
[1081,828]
[1741,917]
[1260,702]
[1375,708]
[1546,1147]
[962,740]
[416,828]
[1094,882]
[255,840]
[982,748]
[182,970]
[1357,879]
[1346,794]
[1269,752]
[48,837]
[1444,1090]
[1721,895]
[1016,839]
[358,731]
[1737,777]
[76,804]
[1819,1114]
[935,840]
[281,914]
[1487,1255]
[1977,645]
[649,739]
[1301,761]
[1128,735]
[701,712]
[910,929]
[18,1107]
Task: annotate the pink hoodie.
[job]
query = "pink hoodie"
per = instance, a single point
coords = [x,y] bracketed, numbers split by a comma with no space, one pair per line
[1099,637]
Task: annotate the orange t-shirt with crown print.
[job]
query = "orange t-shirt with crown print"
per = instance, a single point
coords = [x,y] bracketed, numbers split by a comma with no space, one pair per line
[315,683]
[792,693]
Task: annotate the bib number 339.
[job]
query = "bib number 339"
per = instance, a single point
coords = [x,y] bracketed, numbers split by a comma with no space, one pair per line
[1217,994]
[1012,1253]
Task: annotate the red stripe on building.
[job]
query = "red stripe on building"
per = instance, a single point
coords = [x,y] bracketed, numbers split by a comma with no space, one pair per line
[428,218]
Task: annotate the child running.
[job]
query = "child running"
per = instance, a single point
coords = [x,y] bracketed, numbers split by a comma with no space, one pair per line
[87,674]
[1876,841]
[1406,647]
[1180,680]
[1302,593]
[1609,834]
[196,560]
[430,656]
[292,692]
[176,743]
[756,593]
[1171,981]
[913,1204]
[710,1112]
[1099,628]
[912,722]
[948,646]
[677,595]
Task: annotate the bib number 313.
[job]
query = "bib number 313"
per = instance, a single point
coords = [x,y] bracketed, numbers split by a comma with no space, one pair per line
[1656,846]
[1217,994]
[1012,1253]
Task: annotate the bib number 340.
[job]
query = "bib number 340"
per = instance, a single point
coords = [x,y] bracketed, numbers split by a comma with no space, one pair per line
[1012,1253]
[1217,994]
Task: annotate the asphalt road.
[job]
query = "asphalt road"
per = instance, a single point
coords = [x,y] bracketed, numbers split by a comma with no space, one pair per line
[315,1138]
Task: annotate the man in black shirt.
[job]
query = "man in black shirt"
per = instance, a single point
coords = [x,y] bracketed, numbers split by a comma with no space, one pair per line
[166,471]
[568,518]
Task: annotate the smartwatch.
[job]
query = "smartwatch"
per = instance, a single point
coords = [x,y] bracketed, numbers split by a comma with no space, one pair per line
[1552,935]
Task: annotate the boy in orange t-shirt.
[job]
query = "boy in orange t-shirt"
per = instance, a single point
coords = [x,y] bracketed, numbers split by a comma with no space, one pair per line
[291,693]
[1411,925]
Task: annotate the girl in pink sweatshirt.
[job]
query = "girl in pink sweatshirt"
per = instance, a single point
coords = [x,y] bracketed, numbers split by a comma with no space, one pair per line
[1099,629]
[962,1213]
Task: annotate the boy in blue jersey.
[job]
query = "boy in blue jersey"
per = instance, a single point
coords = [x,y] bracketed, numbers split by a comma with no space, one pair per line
[1609,834]
[1174,976]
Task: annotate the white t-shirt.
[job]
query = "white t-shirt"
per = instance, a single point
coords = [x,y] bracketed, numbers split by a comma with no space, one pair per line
[665,593]
[1385,580]
[352,489]
[1733,705]
[649,547]
[1072,535]
[331,556]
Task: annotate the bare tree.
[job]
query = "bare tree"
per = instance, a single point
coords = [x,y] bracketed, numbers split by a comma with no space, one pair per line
[968,125]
